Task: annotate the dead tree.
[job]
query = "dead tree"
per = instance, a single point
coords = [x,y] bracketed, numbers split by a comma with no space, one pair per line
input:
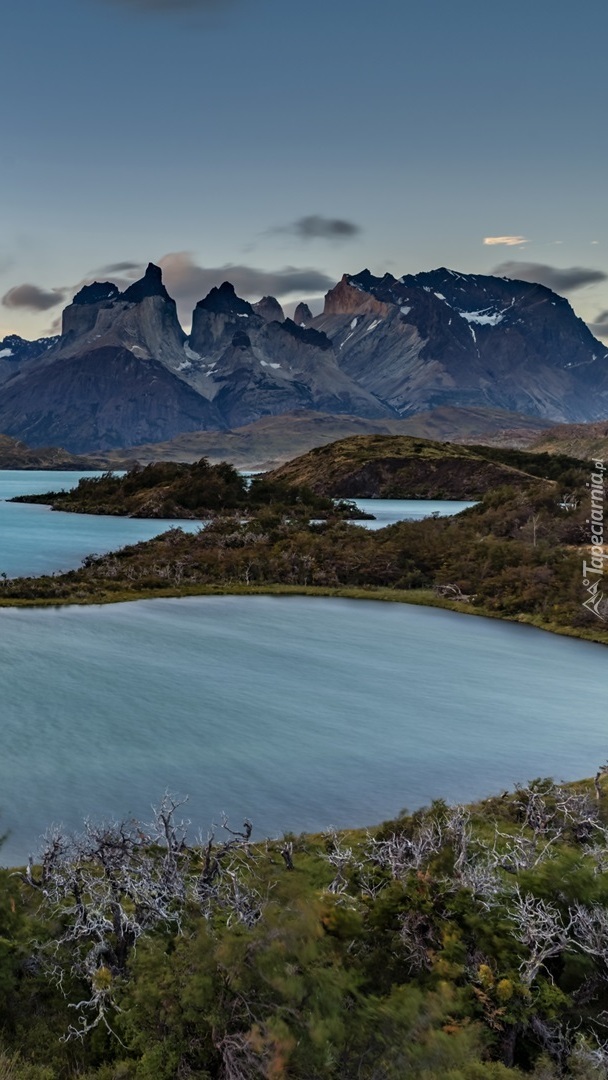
[112,883]
[538,926]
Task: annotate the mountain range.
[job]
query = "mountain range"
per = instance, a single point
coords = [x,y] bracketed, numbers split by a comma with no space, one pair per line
[123,372]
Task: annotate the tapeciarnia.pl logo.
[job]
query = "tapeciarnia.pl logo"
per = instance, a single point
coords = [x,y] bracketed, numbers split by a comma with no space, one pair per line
[593,571]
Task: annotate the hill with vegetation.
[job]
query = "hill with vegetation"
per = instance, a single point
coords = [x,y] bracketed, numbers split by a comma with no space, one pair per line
[517,554]
[178,490]
[403,467]
[16,455]
[455,943]
[273,440]
[581,440]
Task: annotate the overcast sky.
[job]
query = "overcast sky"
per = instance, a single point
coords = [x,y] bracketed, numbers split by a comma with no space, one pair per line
[291,143]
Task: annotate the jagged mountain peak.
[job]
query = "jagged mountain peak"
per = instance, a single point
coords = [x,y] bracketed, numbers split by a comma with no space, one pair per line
[307,336]
[441,337]
[150,285]
[97,292]
[384,346]
[224,301]
[302,316]
[269,309]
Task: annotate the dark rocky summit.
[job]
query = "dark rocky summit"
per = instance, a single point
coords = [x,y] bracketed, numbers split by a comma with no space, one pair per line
[442,338]
[96,293]
[302,316]
[269,309]
[224,301]
[124,372]
[150,285]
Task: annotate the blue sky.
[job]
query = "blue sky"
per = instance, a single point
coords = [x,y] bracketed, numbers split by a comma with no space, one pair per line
[200,132]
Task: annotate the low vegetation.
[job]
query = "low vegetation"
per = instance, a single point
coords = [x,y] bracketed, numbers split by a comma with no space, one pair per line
[517,555]
[457,943]
[403,467]
[582,440]
[197,491]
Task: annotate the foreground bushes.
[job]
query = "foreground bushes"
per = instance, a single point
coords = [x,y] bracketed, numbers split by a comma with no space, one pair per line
[467,944]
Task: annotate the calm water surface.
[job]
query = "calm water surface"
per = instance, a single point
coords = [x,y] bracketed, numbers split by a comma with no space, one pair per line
[297,712]
[36,540]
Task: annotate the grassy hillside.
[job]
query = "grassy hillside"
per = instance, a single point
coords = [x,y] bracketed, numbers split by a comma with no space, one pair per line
[402,467]
[273,440]
[580,440]
[16,455]
[516,555]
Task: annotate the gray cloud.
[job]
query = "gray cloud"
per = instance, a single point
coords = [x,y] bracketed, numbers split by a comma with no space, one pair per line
[566,280]
[171,6]
[316,227]
[32,297]
[188,283]
[121,268]
[315,303]
[600,325]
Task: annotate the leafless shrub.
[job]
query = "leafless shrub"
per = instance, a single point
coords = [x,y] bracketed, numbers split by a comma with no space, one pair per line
[114,882]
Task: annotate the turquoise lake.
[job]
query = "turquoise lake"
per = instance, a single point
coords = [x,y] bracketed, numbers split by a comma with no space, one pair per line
[297,712]
[37,540]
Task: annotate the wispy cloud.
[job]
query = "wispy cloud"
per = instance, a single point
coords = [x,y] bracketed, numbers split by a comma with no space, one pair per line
[121,268]
[556,278]
[32,297]
[188,282]
[317,227]
[599,326]
[508,241]
[171,7]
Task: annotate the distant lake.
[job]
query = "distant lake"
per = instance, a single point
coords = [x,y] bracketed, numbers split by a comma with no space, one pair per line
[36,540]
[297,712]
[388,511]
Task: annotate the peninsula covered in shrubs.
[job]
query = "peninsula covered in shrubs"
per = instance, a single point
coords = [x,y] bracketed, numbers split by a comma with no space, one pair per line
[517,554]
[196,491]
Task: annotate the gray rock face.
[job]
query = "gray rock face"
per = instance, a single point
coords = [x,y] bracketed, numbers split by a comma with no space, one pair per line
[444,338]
[123,371]
[269,309]
[104,398]
[16,353]
[142,320]
[302,316]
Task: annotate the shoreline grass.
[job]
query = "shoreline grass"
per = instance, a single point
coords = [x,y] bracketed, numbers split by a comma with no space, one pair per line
[417,597]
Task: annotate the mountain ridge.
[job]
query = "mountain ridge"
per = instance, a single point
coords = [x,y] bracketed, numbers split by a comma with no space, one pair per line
[123,372]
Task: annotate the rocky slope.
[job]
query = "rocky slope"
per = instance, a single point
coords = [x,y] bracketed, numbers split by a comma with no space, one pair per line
[430,339]
[273,440]
[123,371]
[401,467]
[588,441]
[16,455]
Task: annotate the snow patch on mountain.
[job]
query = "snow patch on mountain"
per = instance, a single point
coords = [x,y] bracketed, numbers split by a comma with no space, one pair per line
[483,318]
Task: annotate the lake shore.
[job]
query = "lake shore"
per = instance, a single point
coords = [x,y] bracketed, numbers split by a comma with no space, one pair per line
[417,597]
